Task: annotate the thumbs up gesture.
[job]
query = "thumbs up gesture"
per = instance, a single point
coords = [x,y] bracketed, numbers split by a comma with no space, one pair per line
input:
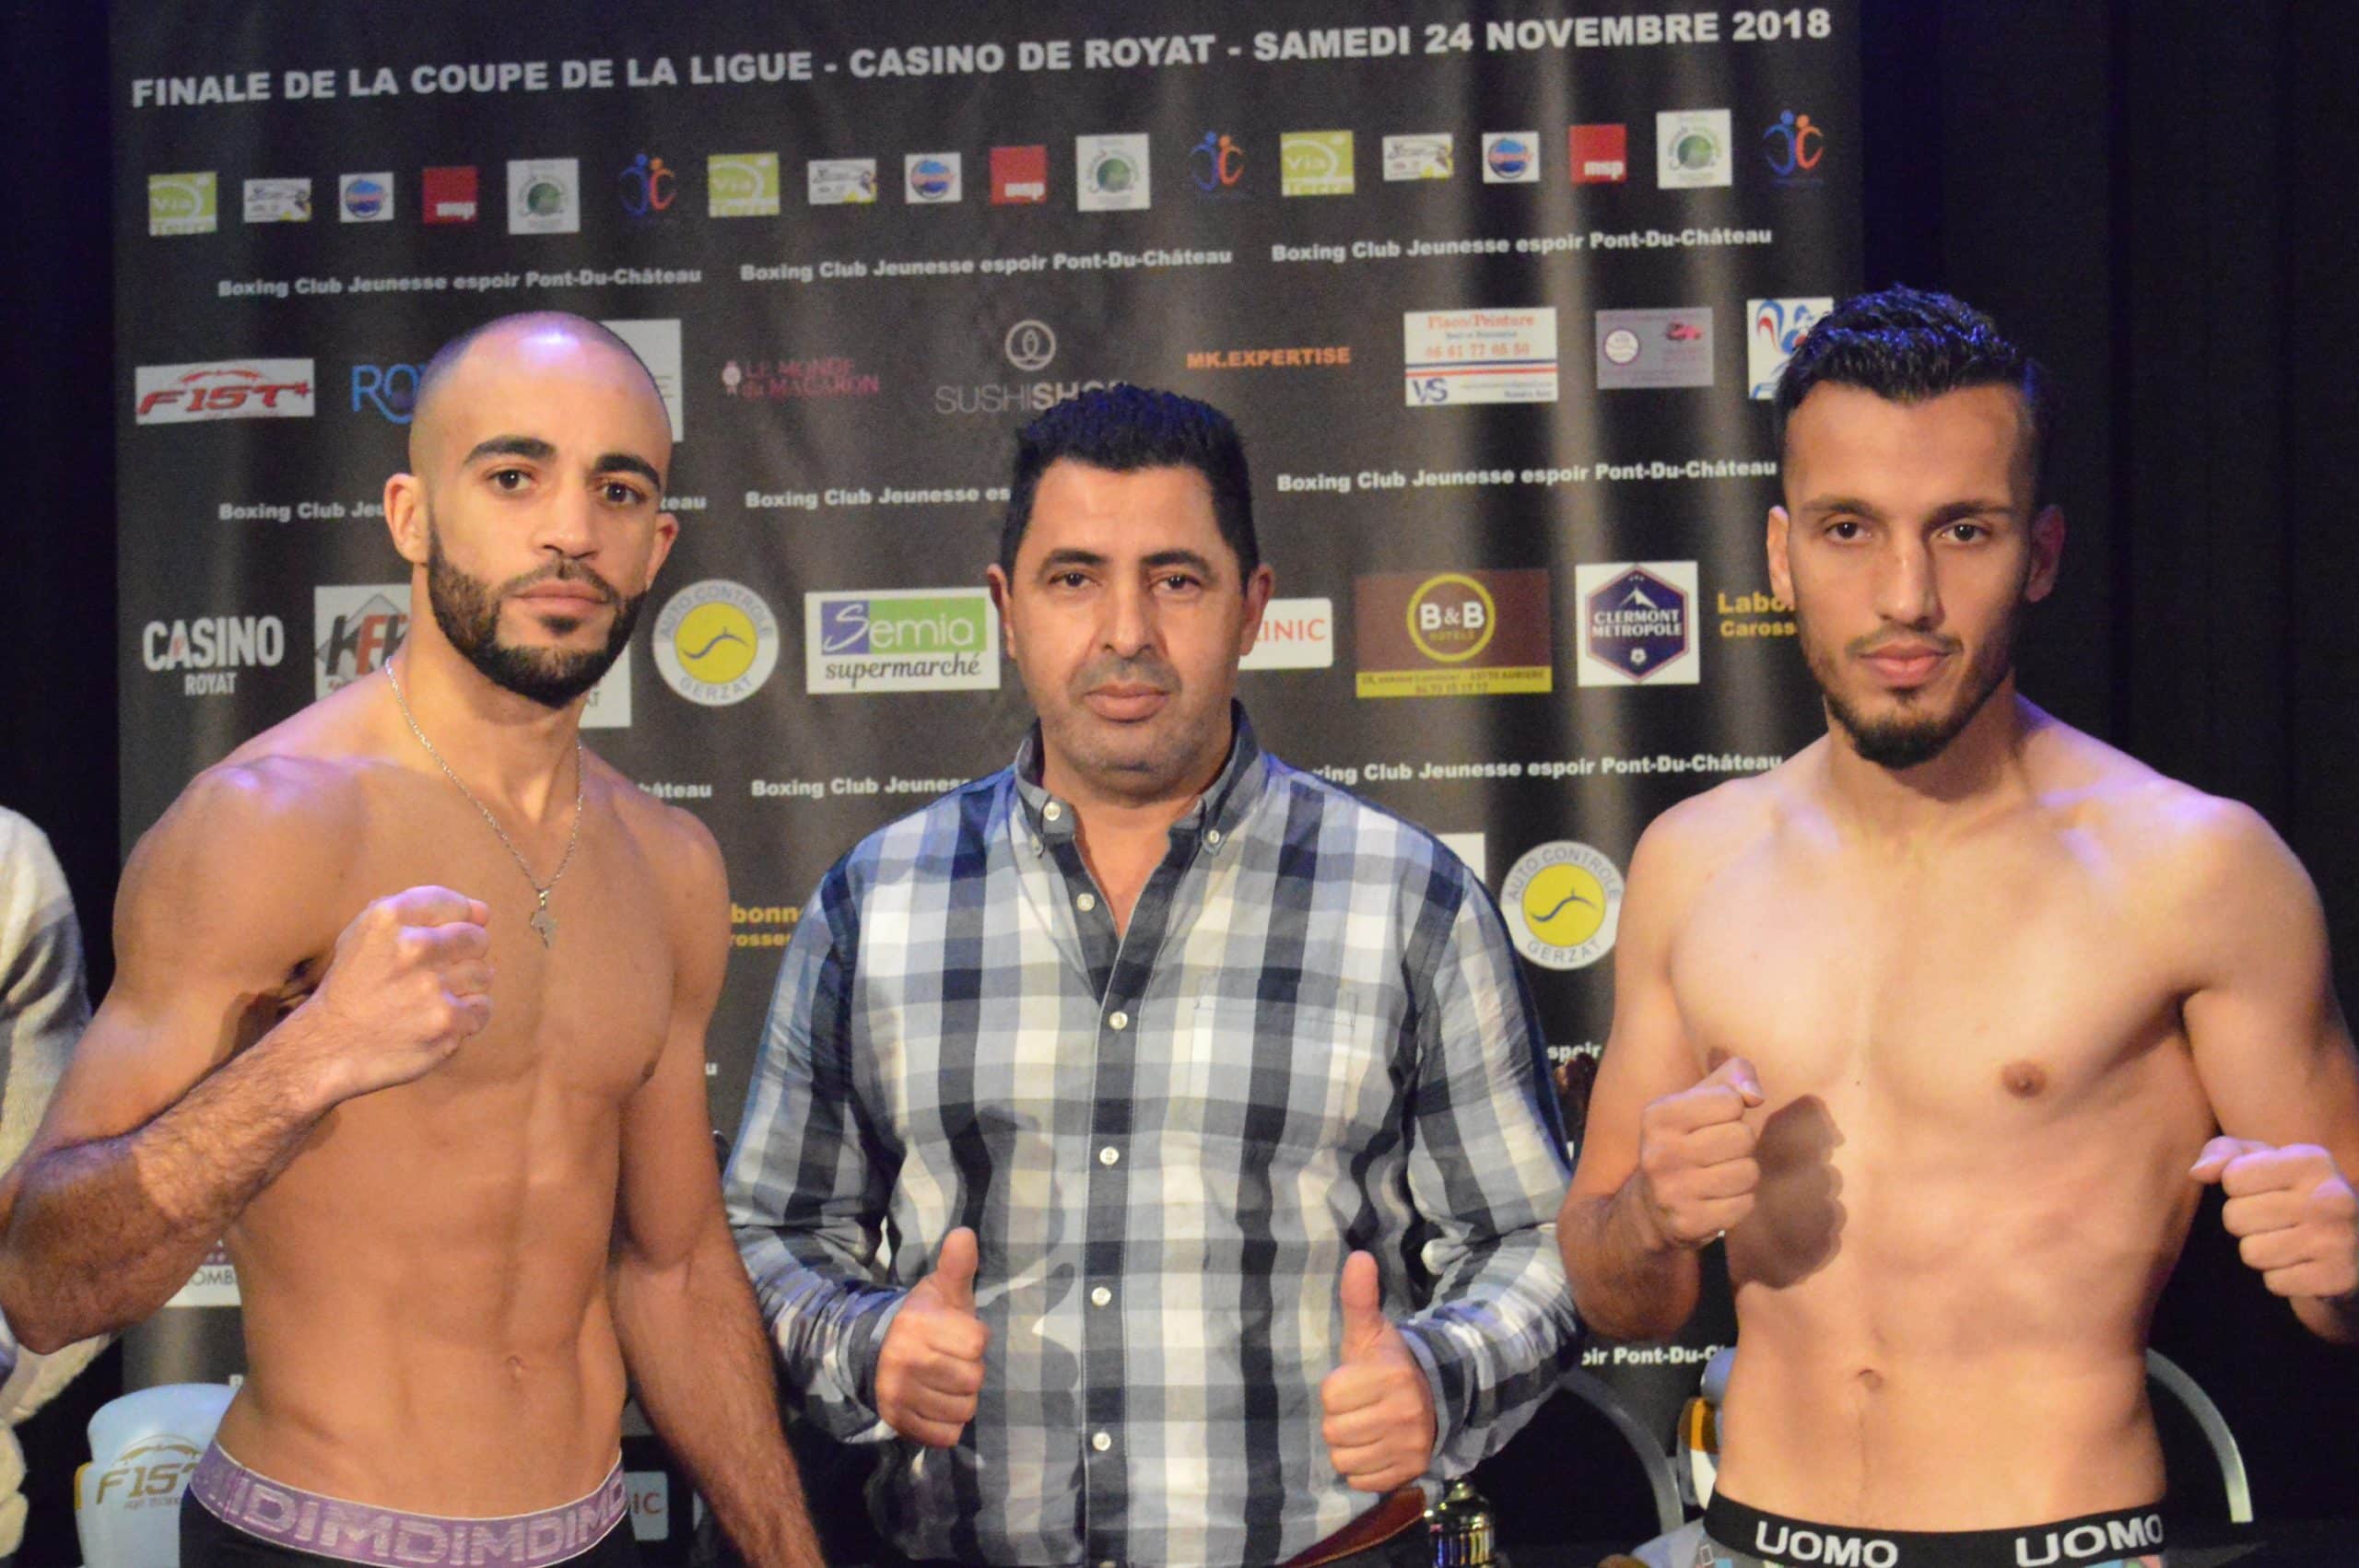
[1379,1408]
[930,1370]
[2293,1215]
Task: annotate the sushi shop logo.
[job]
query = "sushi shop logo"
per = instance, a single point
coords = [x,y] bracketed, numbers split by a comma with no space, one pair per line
[716,643]
[1563,904]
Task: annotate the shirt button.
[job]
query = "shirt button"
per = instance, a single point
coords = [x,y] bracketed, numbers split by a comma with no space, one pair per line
[1212,837]
[1102,1441]
[1086,902]
[1109,1155]
[1052,811]
[1102,1296]
[1119,1019]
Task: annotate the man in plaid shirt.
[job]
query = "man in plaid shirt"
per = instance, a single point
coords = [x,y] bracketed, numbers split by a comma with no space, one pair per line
[1148,1138]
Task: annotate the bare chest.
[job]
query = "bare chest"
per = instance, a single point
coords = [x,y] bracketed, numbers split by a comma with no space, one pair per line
[582,999]
[1985,986]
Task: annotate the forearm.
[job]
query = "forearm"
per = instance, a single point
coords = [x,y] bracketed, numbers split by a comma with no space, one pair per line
[100,1233]
[828,1325]
[1494,1340]
[1627,1281]
[701,1366]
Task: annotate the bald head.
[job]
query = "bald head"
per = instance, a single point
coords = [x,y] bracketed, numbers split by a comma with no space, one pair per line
[505,344]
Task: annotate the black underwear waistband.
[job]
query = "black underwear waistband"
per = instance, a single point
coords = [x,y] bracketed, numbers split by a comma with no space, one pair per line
[2127,1534]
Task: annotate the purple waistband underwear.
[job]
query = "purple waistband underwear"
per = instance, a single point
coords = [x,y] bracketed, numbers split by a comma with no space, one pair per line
[391,1537]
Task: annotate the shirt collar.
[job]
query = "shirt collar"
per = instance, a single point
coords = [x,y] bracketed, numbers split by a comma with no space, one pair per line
[1214,814]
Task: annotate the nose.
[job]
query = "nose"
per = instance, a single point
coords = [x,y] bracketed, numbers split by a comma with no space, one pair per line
[1128,627]
[1908,588]
[568,523]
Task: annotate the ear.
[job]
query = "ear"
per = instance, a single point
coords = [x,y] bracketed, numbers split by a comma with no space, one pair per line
[1781,573]
[405,517]
[996,581]
[1258,590]
[2046,554]
[667,533]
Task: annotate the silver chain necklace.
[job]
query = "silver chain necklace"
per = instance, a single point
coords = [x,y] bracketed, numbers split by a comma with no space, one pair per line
[543,924]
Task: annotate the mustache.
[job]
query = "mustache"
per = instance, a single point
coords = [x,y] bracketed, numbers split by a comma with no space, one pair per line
[1877,641]
[1116,669]
[564,569]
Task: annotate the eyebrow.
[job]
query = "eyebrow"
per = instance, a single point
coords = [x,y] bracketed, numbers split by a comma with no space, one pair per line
[1820,506]
[538,451]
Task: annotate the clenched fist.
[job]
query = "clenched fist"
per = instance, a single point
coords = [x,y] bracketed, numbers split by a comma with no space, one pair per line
[1697,1171]
[410,978]
[1379,1408]
[2292,1213]
[930,1370]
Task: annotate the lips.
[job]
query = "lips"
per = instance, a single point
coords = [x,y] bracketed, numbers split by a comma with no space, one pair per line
[1906,666]
[563,598]
[1126,704]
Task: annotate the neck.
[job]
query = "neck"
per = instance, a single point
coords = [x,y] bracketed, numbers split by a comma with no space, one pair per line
[1113,813]
[509,749]
[1982,767]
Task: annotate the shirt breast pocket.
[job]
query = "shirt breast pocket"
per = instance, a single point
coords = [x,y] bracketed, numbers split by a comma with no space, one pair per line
[1308,1075]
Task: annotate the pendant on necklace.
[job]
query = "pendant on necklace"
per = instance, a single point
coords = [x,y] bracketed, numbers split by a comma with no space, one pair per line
[544,926]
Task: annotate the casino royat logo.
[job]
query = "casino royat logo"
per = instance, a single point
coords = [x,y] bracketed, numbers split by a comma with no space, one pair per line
[716,643]
[1563,905]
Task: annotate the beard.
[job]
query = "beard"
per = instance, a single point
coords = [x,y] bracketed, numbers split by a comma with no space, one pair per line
[467,609]
[1915,734]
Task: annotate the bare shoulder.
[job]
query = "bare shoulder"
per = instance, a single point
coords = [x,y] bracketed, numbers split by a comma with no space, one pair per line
[1685,843]
[2174,842]
[678,848]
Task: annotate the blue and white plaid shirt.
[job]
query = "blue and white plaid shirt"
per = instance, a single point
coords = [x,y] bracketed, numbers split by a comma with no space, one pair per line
[1313,1038]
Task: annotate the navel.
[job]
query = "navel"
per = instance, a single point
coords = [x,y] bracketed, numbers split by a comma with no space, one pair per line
[2025,1080]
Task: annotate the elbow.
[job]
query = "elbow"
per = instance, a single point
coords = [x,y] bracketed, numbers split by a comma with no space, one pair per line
[26,1309]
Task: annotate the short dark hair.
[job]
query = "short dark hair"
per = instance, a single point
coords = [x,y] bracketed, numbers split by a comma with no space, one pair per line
[1908,344]
[1123,428]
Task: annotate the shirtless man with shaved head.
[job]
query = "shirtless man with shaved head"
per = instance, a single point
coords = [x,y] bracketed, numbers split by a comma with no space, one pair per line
[410,1012]
[1946,1023]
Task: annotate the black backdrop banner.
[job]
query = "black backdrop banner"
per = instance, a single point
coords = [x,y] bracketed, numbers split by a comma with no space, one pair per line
[1495,297]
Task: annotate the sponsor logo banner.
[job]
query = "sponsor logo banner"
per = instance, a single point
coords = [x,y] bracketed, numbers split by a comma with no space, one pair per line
[448,194]
[1453,634]
[1671,347]
[278,201]
[207,652]
[742,184]
[1479,356]
[1600,155]
[1296,634]
[1563,904]
[840,182]
[1692,150]
[932,178]
[647,187]
[365,198]
[1778,329]
[716,643]
[1019,176]
[1511,157]
[1110,173]
[1637,624]
[390,390]
[151,1473]
[184,204]
[544,195]
[355,629]
[914,639]
[231,389]
[1315,163]
[1423,156]
[608,706]
[1792,148]
[1216,166]
[649,1495]
[785,380]
[658,343]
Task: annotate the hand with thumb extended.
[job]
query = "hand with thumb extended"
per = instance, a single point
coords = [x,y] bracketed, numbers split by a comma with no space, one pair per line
[930,1369]
[2293,1213]
[1380,1410]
